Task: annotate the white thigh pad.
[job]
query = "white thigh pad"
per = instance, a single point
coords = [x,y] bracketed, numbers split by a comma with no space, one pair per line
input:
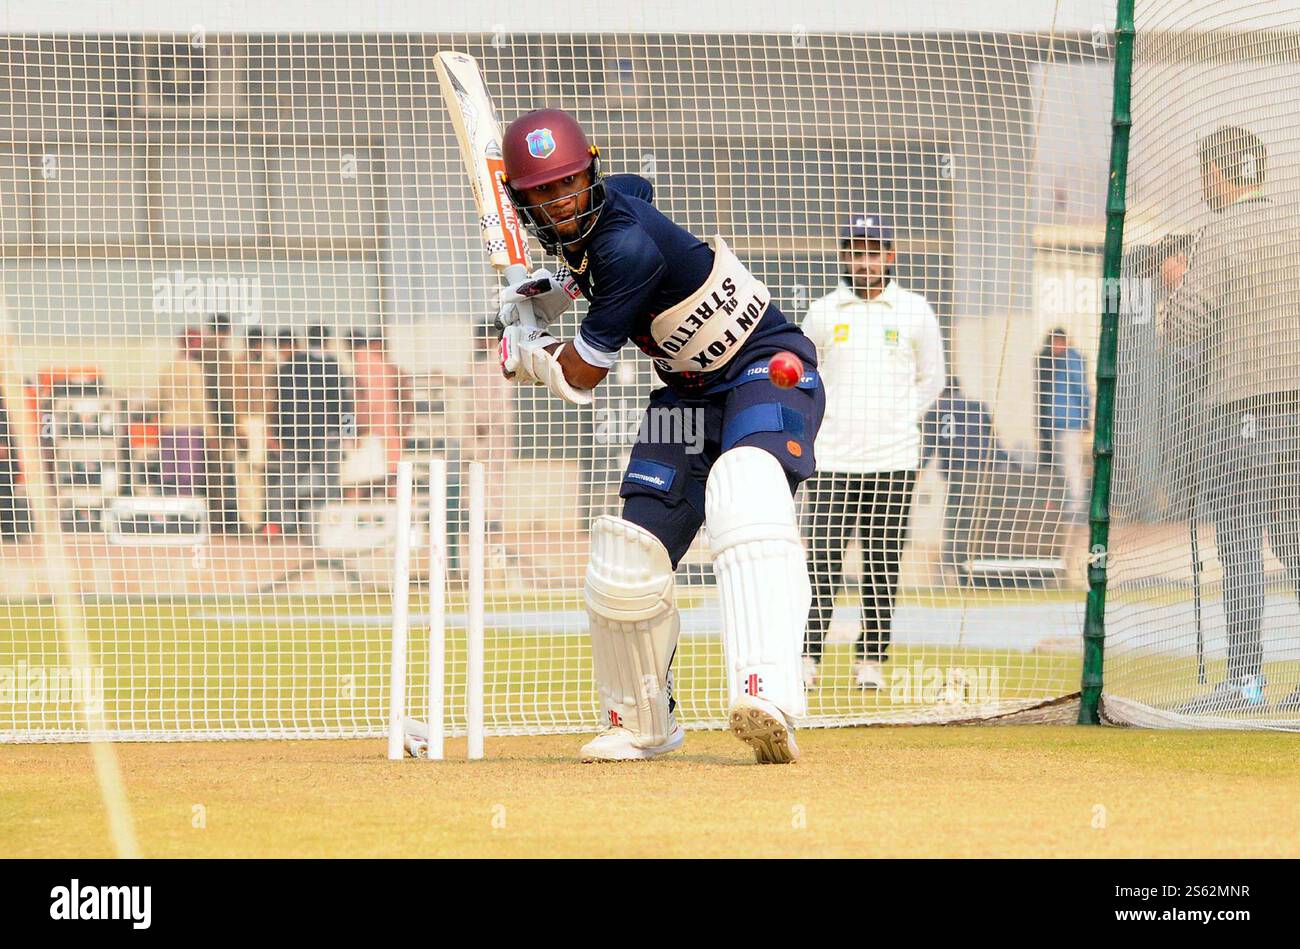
[758,558]
[634,627]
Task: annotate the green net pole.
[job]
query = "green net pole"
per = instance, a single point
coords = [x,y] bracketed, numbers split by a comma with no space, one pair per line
[1103,448]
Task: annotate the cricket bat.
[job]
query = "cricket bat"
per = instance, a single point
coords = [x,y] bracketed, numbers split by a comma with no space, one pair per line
[474,118]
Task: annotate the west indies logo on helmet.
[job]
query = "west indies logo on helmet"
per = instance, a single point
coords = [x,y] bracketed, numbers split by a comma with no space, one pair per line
[543,147]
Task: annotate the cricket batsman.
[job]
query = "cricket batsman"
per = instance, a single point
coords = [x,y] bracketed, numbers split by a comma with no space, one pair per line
[710,327]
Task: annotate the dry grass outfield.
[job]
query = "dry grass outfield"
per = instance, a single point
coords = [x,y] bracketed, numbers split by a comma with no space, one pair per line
[903,792]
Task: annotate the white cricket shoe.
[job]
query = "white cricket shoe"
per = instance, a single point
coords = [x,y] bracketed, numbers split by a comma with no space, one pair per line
[415,738]
[811,672]
[616,744]
[955,688]
[869,675]
[762,726]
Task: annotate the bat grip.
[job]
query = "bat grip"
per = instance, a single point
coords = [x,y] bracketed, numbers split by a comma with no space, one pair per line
[517,273]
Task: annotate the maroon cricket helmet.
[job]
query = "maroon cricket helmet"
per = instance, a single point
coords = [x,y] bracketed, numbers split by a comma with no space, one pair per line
[544,145]
[548,145]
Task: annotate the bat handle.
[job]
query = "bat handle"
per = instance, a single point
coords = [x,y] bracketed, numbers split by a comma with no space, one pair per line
[517,273]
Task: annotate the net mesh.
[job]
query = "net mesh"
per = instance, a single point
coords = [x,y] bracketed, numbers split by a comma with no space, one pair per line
[1201,612]
[243,279]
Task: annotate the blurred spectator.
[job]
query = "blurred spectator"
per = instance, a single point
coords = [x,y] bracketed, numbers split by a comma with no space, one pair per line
[880,352]
[258,345]
[1064,408]
[378,403]
[286,346]
[1232,294]
[313,412]
[220,379]
[185,420]
[254,376]
[15,512]
[958,433]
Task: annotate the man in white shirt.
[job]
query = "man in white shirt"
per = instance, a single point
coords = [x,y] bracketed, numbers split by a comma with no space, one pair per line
[881,357]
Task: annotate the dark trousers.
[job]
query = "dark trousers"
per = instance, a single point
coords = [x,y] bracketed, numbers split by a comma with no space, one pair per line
[300,479]
[665,483]
[1254,490]
[875,508]
[961,507]
[222,493]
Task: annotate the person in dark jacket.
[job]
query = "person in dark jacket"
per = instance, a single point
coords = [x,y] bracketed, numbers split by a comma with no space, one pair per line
[313,413]
[958,433]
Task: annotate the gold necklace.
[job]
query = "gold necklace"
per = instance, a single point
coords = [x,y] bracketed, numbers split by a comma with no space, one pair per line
[582,267]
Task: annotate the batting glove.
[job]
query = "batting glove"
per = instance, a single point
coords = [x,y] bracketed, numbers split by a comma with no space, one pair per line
[524,358]
[549,293]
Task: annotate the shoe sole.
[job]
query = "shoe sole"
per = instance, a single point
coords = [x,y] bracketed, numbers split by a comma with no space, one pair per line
[770,738]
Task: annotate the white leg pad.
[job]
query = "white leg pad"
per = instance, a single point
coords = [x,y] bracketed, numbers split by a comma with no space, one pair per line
[634,627]
[758,558]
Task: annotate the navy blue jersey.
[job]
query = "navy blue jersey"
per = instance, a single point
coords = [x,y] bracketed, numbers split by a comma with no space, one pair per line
[639,264]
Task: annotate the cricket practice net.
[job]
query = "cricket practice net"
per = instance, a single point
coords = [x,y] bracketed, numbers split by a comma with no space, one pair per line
[183,216]
[1201,624]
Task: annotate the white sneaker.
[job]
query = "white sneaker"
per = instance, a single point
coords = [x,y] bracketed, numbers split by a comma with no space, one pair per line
[762,726]
[415,738]
[955,688]
[811,672]
[869,675]
[616,744]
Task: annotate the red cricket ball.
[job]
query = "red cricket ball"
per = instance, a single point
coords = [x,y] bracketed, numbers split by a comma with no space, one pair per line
[785,370]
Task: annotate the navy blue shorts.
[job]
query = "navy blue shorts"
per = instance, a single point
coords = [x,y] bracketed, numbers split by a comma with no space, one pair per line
[680,439]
